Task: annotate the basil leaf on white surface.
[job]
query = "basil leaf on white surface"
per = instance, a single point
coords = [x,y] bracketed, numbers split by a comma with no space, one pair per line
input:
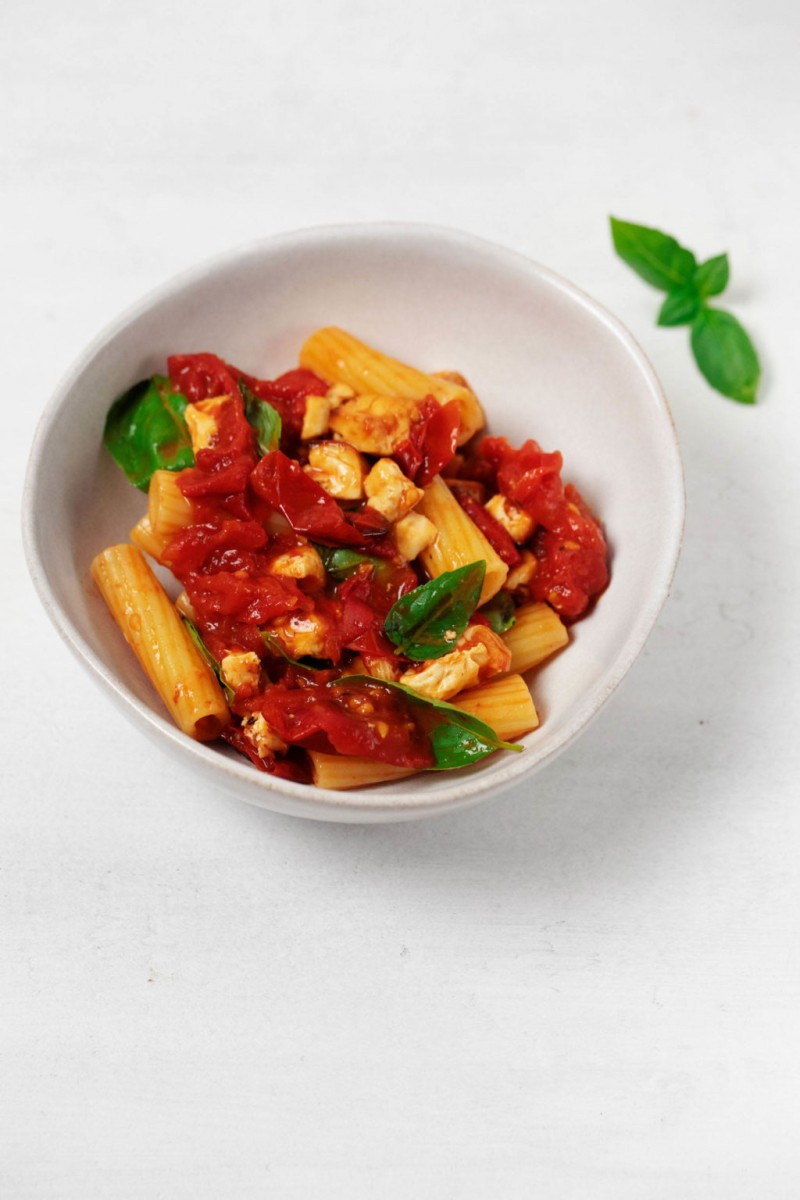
[722,348]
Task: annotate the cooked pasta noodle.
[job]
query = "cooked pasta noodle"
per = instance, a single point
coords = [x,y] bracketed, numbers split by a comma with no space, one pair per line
[338,357]
[459,540]
[536,634]
[158,637]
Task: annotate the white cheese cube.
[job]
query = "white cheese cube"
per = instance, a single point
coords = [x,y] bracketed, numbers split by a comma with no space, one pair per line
[339,469]
[514,519]
[390,492]
[413,534]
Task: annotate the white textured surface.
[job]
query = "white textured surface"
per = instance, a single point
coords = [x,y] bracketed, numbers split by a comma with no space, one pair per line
[588,990]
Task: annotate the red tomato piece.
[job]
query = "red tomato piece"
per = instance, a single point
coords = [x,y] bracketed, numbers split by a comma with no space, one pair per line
[353,720]
[253,600]
[189,549]
[573,559]
[284,485]
[431,442]
[202,376]
[490,527]
[287,394]
[529,476]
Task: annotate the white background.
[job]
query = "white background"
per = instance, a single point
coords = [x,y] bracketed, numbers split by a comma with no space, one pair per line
[588,988]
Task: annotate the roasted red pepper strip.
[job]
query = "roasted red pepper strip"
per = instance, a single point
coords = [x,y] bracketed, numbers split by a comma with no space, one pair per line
[284,485]
[490,527]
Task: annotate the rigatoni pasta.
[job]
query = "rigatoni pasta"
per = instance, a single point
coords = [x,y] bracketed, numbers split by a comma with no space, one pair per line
[158,638]
[337,356]
[537,633]
[349,616]
[459,541]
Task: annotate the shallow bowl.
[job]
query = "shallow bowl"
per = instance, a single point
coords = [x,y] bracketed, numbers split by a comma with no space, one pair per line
[547,362]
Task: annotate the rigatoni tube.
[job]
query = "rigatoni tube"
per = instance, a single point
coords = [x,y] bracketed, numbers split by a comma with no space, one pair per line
[159,639]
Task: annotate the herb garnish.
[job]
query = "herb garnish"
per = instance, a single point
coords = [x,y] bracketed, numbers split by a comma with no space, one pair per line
[264,419]
[428,621]
[721,347]
[146,431]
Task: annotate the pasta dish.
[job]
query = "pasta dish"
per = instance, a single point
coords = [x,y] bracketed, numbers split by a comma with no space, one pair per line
[365,576]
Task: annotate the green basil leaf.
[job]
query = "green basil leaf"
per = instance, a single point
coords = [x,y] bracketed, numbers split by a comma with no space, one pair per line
[341,562]
[500,613]
[657,257]
[712,276]
[263,417]
[680,306]
[145,431]
[194,634]
[725,355]
[457,738]
[426,622]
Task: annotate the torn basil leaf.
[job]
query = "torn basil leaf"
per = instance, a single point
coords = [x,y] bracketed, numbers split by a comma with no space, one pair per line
[457,738]
[428,621]
[145,431]
[264,419]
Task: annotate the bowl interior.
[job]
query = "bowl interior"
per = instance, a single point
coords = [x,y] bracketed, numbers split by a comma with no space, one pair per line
[547,363]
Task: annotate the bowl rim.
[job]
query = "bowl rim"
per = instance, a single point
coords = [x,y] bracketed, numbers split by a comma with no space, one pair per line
[377,801]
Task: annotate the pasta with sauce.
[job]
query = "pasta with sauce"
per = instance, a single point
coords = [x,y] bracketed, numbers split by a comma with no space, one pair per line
[365,577]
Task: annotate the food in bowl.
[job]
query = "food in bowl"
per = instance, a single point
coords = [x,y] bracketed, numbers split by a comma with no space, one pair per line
[366,578]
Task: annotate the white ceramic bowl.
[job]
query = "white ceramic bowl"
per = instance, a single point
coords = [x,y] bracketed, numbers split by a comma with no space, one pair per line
[545,359]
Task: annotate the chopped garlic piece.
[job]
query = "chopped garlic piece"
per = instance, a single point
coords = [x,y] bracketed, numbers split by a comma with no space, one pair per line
[514,519]
[339,469]
[390,492]
[413,534]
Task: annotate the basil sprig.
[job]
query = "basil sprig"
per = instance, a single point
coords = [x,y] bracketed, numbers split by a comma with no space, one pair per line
[264,419]
[146,431]
[194,634]
[457,738]
[721,347]
[427,622]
